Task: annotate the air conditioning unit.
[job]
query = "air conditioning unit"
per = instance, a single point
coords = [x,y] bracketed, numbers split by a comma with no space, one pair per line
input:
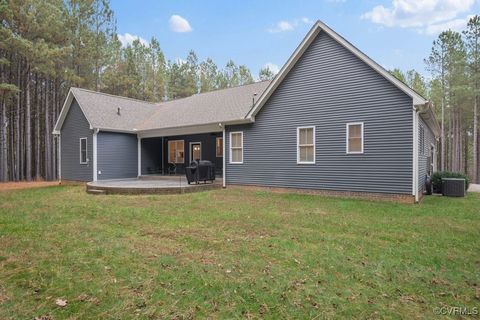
[453,187]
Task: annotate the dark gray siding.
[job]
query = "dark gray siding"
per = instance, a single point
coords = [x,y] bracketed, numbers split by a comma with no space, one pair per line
[75,127]
[152,151]
[208,149]
[117,155]
[151,155]
[327,88]
[423,155]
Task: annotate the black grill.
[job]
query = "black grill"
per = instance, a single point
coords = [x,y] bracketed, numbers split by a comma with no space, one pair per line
[453,187]
[198,171]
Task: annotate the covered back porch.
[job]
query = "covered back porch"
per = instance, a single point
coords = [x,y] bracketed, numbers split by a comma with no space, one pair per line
[169,154]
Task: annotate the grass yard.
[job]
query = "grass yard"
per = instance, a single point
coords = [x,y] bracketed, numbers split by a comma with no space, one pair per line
[234,254]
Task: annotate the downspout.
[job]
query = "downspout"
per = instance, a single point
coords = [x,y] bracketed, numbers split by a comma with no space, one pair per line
[415,154]
[95,170]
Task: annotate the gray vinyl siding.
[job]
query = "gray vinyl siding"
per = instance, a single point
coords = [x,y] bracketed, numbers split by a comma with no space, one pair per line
[75,127]
[117,155]
[328,88]
[429,139]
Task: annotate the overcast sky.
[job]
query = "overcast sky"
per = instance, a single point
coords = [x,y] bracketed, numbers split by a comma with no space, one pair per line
[395,33]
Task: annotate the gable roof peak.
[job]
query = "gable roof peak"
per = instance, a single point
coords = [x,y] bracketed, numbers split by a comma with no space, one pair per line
[318,27]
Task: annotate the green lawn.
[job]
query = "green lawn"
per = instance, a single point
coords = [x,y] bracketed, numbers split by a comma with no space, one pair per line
[234,254]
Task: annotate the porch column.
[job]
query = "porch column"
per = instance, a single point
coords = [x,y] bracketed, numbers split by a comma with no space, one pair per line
[95,163]
[59,154]
[139,155]
[224,177]
[163,156]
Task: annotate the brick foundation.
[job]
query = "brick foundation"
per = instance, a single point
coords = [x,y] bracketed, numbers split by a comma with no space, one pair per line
[401,198]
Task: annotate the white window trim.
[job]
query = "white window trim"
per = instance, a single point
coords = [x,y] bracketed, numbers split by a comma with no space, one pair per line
[223,146]
[231,148]
[348,133]
[86,150]
[168,157]
[298,146]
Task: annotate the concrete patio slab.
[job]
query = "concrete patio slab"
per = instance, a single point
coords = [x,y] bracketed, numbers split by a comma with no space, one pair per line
[150,185]
[474,187]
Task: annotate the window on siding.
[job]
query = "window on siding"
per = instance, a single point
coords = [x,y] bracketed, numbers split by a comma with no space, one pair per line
[83,151]
[422,140]
[236,147]
[176,151]
[219,147]
[306,145]
[355,137]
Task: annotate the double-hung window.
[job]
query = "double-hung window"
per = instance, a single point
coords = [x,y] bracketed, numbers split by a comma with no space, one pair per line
[355,137]
[236,147]
[83,151]
[176,151]
[306,145]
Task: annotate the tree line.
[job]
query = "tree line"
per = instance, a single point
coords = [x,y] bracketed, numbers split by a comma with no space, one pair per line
[48,46]
[454,89]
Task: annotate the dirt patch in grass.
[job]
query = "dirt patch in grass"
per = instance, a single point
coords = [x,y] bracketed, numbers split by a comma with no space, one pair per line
[3,296]
[8,186]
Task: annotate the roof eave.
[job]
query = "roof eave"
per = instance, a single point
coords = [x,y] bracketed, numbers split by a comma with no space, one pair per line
[428,115]
[224,122]
[191,129]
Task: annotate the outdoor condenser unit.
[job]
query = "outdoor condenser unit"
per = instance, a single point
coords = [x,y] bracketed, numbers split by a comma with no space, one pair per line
[453,187]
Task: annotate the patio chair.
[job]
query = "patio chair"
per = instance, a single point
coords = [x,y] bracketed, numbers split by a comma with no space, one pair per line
[172,168]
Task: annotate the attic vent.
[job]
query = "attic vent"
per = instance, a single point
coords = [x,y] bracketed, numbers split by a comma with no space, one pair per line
[118,111]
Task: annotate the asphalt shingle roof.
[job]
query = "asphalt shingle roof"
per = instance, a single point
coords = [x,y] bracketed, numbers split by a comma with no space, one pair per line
[204,108]
[101,109]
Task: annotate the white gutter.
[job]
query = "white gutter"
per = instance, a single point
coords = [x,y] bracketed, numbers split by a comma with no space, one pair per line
[428,115]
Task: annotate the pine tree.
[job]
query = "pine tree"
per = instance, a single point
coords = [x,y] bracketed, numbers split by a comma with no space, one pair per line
[472,37]
[231,74]
[437,64]
[158,72]
[208,76]
[244,75]
[266,74]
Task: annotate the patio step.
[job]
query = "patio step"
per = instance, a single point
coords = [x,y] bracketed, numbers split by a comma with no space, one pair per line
[154,177]
[96,191]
